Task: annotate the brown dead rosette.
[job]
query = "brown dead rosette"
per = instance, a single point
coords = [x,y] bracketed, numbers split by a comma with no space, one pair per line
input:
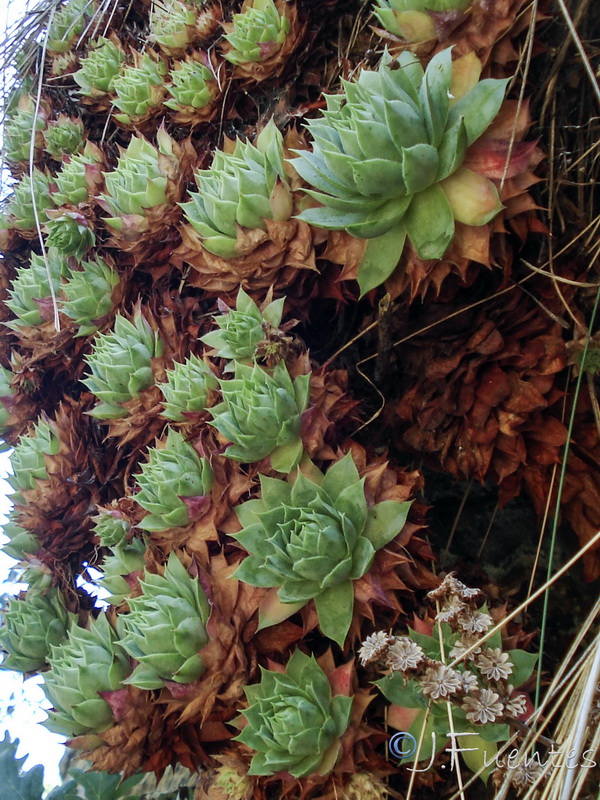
[474,395]
[240,45]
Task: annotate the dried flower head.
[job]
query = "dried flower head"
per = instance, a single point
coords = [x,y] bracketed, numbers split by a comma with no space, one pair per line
[475,622]
[526,774]
[452,609]
[440,682]
[374,647]
[484,707]
[468,682]
[404,654]
[494,664]
[514,704]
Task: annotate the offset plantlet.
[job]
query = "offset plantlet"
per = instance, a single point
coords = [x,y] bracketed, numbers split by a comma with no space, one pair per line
[99,68]
[411,19]
[20,207]
[21,542]
[188,389]
[121,365]
[31,625]
[193,87]
[30,292]
[79,178]
[242,328]
[172,25]
[21,128]
[68,24]
[311,539]
[64,137]
[89,663]
[88,295]
[139,89]
[69,232]
[257,33]
[27,459]
[294,723]
[261,415]
[175,484]
[166,628]
[386,161]
[6,393]
[125,559]
[242,188]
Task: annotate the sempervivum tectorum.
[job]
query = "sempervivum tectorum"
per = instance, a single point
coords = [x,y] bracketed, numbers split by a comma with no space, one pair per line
[86,666]
[175,485]
[311,539]
[261,415]
[189,390]
[173,25]
[166,628]
[142,191]
[121,365]
[88,295]
[21,544]
[194,90]
[79,178]
[241,329]
[31,295]
[69,231]
[31,625]
[27,459]
[21,128]
[121,569]
[260,39]
[21,212]
[68,24]
[140,89]
[239,230]
[6,393]
[386,160]
[98,70]
[413,20]
[294,721]
[63,137]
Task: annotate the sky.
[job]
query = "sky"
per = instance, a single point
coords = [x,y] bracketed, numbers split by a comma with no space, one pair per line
[22,702]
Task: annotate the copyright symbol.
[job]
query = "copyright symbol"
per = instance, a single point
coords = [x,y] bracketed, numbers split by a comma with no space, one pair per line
[403,745]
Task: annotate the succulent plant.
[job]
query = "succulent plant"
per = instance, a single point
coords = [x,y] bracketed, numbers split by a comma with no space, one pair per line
[139,88]
[193,86]
[64,64]
[27,459]
[88,295]
[111,527]
[242,328]
[294,723]
[187,388]
[64,137]
[6,392]
[140,182]
[30,290]
[411,20]
[257,33]
[125,559]
[121,365]
[88,664]
[79,177]
[68,24]
[69,232]
[30,627]
[99,68]
[20,206]
[172,25]
[313,538]
[386,160]
[174,483]
[19,130]
[241,188]
[260,415]
[166,628]
[21,542]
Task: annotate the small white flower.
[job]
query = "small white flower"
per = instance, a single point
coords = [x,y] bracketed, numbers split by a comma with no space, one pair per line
[475,622]
[462,645]
[494,664]
[446,588]
[404,654]
[373,647]
[440,681]
[451,610]
[465,592]
[485,707]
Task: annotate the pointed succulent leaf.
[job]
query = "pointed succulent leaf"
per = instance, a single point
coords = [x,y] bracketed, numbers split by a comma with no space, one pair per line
[69,232]
[23,127]
[64,137]
[99,68]
[16,784]
[21,204]
[193,86]
[27,459]
[68,24]
[188,388]
[256,33]
[172,25]
[88,295]
[32,284]
[139,88]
